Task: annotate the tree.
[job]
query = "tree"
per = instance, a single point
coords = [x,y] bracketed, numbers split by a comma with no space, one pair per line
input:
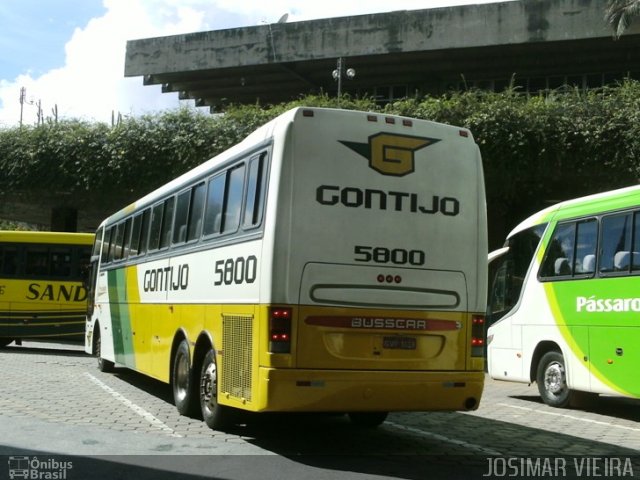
[620,13]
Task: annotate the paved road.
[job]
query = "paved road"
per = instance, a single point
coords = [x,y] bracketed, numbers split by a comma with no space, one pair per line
[54,401]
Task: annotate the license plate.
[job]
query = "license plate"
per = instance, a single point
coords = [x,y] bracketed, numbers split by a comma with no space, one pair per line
[399,343]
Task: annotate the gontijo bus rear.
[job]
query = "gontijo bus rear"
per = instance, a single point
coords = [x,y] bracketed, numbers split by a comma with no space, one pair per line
[332,261]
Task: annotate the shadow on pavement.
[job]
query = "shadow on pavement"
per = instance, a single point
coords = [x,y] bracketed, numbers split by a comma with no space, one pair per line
[622,408]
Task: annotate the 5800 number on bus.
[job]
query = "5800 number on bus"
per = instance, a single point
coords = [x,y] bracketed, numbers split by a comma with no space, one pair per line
[235,271]
[397,256]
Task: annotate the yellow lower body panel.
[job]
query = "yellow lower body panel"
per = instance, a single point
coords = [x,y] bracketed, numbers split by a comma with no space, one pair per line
[346,390]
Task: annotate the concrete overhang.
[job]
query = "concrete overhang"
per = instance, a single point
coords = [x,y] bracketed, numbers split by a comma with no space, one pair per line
[421,48]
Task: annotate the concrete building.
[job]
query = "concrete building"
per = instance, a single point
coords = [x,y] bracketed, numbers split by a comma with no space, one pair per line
[536,44]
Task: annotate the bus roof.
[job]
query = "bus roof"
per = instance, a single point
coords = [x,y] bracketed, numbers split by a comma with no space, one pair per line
[66,238]
[257,139]
[583,206]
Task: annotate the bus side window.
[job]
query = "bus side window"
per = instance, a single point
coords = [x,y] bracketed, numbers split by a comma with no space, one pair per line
[118,243]
[635,261]
[8,260]
[194,229]
[233,200]
[144,232]
[83,265]
[105,245]
[156,226]
[97,245]
[134,247]
[559,255]
[37,260]
[126,246]
[213,209]
[255,192]
[60,262]
[167,219]
[182,217]
[113,246]
[585,256]
[615,241]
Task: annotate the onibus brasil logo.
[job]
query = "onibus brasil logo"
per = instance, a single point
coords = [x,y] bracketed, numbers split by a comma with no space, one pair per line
[391,153]
[34,468]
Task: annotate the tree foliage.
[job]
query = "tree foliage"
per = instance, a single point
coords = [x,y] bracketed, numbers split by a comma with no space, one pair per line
[540,148]
[619,14]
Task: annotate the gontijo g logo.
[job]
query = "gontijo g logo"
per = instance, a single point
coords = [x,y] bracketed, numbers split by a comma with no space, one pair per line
[391,153]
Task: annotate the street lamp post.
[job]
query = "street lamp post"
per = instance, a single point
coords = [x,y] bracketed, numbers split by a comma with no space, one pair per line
[339,72]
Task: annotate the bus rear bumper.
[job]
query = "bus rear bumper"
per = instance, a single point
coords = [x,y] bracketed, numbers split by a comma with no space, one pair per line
[346,390]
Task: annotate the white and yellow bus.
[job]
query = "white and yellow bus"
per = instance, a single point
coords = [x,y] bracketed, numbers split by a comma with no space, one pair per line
[564,301]
[42,295]
[333,261]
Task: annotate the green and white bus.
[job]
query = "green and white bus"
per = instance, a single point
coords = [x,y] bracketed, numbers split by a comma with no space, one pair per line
[564,304]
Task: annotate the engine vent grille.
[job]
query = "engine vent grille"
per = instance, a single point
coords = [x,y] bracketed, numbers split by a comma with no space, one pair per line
[237,345]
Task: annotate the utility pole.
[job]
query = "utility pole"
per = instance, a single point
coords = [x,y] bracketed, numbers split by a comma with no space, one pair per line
[23,94]
[23,100]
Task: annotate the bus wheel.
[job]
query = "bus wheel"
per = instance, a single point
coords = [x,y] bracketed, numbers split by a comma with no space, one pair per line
[103,364]
[552,380]
[367,419]
[216,416]
[184,392]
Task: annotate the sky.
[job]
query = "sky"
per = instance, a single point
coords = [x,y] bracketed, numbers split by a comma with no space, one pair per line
[67,56]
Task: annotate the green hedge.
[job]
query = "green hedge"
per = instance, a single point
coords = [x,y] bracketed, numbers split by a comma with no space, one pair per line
[535,148]
[561,144]
[137,155]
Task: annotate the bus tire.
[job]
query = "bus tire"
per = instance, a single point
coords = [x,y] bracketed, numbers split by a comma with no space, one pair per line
[103,364]
[552,380]
[367,419]
[216,416]
[183,386]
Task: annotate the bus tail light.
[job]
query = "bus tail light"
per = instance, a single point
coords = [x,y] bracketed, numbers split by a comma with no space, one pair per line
[477,335]
[279,330]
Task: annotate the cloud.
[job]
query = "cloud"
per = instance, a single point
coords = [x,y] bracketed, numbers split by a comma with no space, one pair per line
[298,10]
[91,83]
